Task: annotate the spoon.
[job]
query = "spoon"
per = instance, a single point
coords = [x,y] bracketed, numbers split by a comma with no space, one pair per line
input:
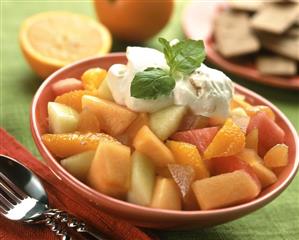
[23,198]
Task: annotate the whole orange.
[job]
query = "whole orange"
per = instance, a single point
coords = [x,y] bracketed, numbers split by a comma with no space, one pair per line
[134,20]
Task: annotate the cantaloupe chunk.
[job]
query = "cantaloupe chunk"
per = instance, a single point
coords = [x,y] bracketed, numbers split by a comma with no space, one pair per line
[150,145]
[225,190]
[265,175]
[166,195]
[277,156]
[142,180]
[114,118]
[131,131]
[110,169]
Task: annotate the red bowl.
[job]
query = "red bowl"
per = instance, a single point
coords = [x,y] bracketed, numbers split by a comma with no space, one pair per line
[143,216]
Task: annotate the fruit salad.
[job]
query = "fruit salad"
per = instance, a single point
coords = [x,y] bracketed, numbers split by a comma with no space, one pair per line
[165,131]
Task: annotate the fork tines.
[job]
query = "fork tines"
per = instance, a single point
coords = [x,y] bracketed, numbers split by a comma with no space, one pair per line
[10,194]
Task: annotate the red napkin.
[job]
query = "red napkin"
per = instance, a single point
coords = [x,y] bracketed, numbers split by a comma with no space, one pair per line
[61,197]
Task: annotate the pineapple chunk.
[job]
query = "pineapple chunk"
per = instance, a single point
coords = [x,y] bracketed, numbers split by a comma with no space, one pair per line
[104,91]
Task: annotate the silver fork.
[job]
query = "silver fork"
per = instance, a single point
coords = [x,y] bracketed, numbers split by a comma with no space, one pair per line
[17,205]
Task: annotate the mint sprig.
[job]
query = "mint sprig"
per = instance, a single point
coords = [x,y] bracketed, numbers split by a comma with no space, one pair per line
[183,57]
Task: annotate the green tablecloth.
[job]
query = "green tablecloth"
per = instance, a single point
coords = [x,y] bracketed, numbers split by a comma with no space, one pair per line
[278,220]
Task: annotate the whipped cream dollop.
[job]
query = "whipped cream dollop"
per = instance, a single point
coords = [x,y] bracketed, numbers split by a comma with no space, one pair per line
[206,91]
[120,77]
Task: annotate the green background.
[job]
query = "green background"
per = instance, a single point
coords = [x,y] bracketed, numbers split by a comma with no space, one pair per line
[278,220]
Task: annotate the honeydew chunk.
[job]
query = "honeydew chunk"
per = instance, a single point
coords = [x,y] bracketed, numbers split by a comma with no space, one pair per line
[166,195]
[225,190]
[167,121]
[78,165]
[62,118]
[142,180]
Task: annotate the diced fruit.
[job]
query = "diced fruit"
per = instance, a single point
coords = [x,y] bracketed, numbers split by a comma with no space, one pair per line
[135,126]
[187,154]
[253,110]
[88,122]
[110,169]
[252,139]
[66,85]
[277,156]
[240,118]
[230,164]
[166,121]
[228,141]
[73,98]
[149,144]
[183,175]
[142,180]
[114,119]
[93,77]
[201,138]
[104,91]
[270,133]
[265,175]
[78,165]
[239,101]
[166,195]
[191,121]
[62,119]
[224,190]
[68,144]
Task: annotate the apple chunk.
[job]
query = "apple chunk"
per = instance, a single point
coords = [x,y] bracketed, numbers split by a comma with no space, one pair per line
[62,119]
[142,180]
[167,121]
[224,190]
[78,165]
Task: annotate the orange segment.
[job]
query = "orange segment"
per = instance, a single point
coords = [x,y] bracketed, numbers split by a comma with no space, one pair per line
[228,141]
[253,110]
[187,154]
[65,145]
[93,77]
[88,122]
[50,40]
[277,156]
[73,98]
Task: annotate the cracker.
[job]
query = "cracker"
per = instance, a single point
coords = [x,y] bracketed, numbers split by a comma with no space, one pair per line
[287,46]
[250,6]
[276,65]
[233,34]
[275,18]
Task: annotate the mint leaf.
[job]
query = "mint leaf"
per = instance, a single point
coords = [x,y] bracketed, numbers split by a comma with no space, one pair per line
[152,83]
[185,56]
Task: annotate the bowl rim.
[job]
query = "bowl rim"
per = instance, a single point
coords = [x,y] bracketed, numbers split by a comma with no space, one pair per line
[98,197]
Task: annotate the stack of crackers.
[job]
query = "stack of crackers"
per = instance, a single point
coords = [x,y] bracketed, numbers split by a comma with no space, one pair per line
[265,30]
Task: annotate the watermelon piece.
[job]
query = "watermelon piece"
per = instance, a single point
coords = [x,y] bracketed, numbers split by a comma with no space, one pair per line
[66,85]
[201,138]
[270,133]
[230,164]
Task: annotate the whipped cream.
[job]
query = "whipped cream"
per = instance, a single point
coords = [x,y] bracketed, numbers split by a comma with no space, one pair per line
[206,91]
[120,76]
